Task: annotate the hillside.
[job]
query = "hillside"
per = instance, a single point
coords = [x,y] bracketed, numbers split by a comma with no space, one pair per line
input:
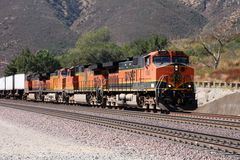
[129,20]
[31,24]
[223,15]
[228,69]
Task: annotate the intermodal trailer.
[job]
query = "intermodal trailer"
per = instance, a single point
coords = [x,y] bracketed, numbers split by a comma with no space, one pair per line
[19,85]
[2,86]
[9,86]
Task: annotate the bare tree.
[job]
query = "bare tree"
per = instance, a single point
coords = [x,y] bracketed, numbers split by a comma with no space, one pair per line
[214,49]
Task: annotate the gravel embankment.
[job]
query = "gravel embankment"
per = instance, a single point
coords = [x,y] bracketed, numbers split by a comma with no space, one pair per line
[26,135]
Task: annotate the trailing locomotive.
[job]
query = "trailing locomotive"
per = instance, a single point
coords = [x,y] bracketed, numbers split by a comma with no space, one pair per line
[159,81]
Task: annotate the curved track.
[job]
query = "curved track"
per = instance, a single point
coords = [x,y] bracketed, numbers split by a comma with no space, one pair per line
[202,119]
[206,121]
[199,139]
[209,116]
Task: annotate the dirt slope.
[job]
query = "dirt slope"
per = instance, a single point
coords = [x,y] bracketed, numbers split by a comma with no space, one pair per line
[229,105]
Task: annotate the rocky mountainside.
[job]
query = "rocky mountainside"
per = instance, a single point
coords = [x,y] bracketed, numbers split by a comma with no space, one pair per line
[129,20]
[32,24]
[133,19]
[69,11]
[223,15]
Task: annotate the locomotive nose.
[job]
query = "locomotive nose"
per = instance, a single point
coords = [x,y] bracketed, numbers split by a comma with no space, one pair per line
[171,74]
[176,76]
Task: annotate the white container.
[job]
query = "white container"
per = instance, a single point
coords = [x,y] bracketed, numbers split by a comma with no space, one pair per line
[19,81]
[9,83]
[2,84]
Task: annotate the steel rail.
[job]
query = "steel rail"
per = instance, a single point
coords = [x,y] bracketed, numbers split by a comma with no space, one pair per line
[225,144]
[209,115]
[179,119]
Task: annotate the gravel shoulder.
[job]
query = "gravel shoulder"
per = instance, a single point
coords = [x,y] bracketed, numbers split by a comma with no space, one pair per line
[26,135]
[183,126]
[25,143]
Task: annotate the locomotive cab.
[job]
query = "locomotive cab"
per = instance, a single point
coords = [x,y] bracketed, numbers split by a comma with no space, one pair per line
[174,85]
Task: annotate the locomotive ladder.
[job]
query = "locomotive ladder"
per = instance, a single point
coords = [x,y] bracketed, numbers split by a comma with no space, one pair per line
[158,88]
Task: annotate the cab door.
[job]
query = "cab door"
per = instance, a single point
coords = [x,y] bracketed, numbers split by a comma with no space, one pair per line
[147,69]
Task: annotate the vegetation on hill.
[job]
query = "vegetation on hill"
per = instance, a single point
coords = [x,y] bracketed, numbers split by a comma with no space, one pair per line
[92,47]
[214,58]
[97,47]
[228,67]
[27,62]
[144,46]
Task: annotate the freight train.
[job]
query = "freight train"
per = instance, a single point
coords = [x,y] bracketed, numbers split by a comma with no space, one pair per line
[158,81]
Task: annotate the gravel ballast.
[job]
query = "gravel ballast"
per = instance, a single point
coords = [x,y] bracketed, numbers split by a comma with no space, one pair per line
[25,143]
[26,135]
[189,127]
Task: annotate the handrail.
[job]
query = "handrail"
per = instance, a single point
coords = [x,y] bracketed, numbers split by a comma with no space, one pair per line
[158,85]
[159,82]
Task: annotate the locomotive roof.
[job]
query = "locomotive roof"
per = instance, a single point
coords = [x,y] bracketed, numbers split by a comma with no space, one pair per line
[95,66]
[170,53]
[134,62]
[110,64]
[37,76]
[130,62]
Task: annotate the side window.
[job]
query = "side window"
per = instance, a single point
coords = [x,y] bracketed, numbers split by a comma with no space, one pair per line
[72,72]
[147,61]
[64,73]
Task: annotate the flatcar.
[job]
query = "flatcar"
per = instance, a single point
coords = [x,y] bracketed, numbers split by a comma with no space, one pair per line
[158,81]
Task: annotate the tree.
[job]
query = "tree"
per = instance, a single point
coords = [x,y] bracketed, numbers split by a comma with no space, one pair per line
[214,49]
[23,63]
[45,62]
[26,62]
[93,47]
[143,46]
[11,69]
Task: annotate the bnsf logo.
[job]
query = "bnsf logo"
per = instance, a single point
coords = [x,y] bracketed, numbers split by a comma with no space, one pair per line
[130,76]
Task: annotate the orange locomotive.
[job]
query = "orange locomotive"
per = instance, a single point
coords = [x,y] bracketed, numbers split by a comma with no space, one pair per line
[161,80]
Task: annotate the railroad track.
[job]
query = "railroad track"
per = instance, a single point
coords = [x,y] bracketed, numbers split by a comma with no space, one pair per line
[175,117]
[209,116]
[225,144]
[204,121]
[181,119]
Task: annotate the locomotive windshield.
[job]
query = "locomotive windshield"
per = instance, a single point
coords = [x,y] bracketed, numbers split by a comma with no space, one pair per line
[161,60]
[158,60]
[183,60]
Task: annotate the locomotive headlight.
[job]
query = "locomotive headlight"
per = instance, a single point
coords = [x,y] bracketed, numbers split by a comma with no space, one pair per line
[152,85]
[189,86]
[176,67]
[169,86]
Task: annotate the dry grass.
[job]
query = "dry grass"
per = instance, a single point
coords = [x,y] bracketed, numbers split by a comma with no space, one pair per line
[228,69]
